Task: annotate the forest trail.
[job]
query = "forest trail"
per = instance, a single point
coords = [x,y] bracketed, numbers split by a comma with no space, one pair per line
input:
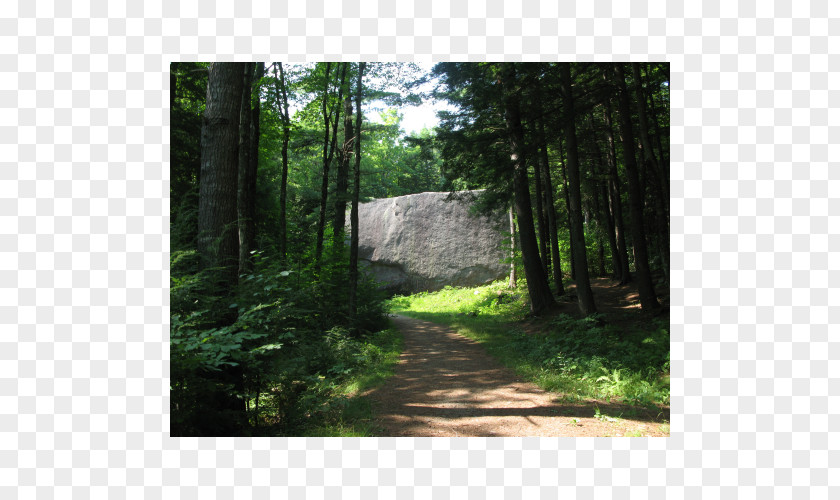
[447,385]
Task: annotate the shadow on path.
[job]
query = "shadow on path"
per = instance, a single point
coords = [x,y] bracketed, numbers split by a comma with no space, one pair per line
[447,385]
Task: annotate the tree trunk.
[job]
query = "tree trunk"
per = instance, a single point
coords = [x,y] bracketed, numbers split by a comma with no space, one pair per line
[551,213]
[608,217]
[615,201]
[540,294]
[217,240]
[354,204]
[647,296]
[244,162]
[322,213]
[568,213]
[586,301]
[345,153]
[247,191]
[542,225]
[284,173]
[217,214]
[512,281]
[597,217]
[654,165]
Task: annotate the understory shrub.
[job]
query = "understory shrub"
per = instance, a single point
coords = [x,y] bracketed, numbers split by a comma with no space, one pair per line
[267,357]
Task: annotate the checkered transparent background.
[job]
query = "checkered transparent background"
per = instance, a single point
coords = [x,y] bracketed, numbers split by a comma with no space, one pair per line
[84,245]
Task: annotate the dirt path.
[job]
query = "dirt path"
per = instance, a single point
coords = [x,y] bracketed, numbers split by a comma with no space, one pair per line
[447,385]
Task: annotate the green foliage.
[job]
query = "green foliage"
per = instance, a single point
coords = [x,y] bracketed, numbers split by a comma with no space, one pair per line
[290,339]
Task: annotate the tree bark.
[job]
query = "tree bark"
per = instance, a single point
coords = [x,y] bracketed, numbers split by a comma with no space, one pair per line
[615,200]
[542,224]
[512,281]
[249,150]
[655,166]
[568,213]
[244,161]
[217,216]
[608,217]
[647,296]
[322,213]
[538,290]
[284,173]
[217,240]
[586,301]
[551,213]
[343,168]
[354,204]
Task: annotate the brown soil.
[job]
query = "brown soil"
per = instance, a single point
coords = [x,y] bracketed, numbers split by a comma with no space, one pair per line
[447,385]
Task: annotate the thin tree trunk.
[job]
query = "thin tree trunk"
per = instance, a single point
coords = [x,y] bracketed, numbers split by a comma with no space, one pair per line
[512,281]
[615,200]
[244,164]
[322,213]
[284,173]
[551,213]
[542,225]
[597,200]
[246,203]
[342,174]
[654,165]
[354,204]
[538,290]
[647,296]
[586,302]
[568,214]
[605,202]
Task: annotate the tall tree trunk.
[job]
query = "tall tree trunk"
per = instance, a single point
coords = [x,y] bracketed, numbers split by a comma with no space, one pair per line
[217,238]
[586,302]
[538,290]
[542,224]
[551,213]
[512,281]
[354,204]
[343,168]
[655,166]
[568,214]
[246,202]
[601,229]
[615,200]
[322,213]
[244,163]
[610,221]
[647,296]
[284,173]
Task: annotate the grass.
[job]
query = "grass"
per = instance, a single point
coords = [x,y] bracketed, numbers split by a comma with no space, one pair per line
[354,416]
[338,409]
[580,358]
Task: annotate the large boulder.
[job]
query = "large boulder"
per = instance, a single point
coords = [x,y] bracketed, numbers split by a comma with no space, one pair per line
[421,242]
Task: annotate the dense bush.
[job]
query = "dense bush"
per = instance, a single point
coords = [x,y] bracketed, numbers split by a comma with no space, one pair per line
[274,367]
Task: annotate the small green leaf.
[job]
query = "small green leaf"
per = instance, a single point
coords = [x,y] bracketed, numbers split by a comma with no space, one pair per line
[232,306]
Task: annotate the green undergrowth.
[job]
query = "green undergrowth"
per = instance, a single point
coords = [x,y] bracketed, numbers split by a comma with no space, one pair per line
[362,365]
[580,358]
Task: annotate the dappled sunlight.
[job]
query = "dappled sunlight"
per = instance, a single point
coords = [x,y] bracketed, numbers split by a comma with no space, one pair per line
[447,385]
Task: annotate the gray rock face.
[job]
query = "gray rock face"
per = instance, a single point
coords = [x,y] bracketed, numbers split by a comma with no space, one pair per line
[420,242]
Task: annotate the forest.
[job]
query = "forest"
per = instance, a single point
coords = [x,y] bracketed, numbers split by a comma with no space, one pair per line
[276,329]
